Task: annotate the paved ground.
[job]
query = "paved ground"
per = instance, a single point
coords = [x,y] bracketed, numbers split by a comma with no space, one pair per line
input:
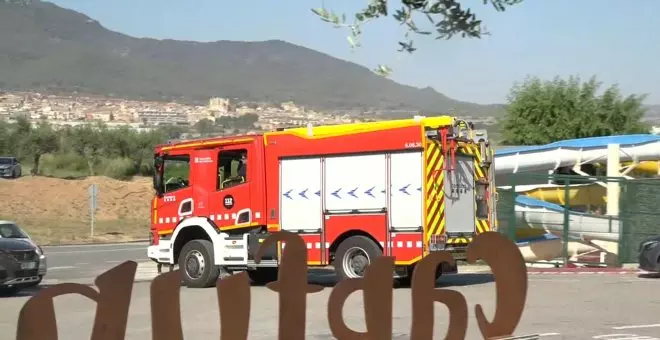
[558,307]
[80,263]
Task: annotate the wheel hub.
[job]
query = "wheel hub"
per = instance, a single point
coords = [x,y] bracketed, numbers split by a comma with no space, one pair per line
[355,262]
[195,264]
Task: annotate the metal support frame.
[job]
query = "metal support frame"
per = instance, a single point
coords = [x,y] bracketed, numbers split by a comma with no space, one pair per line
[159,267]
[613,189]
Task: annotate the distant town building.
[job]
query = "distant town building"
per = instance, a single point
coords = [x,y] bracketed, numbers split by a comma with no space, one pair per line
[220,104]
[163,118]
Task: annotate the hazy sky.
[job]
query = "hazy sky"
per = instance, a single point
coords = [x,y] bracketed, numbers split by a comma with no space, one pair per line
[616,40]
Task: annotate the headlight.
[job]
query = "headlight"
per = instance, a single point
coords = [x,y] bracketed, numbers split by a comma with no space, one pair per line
[39,250]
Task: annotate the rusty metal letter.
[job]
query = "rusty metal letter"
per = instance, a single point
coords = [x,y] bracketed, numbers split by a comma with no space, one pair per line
[377,288]
[424,295]
[508,267]
[37,317]
[291,284]
[234,304]
[166,307]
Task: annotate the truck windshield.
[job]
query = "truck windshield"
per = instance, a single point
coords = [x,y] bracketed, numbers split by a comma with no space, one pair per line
[11,230]
[5,160]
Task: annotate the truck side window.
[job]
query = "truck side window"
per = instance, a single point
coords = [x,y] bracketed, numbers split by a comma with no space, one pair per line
[232,168]
[176,172]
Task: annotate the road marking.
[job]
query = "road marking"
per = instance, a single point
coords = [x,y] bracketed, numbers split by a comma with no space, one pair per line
[554,280]
[146,271]
[91,251]
[624,337]
[81,263]
[529,336]
[638,326]
[61,267]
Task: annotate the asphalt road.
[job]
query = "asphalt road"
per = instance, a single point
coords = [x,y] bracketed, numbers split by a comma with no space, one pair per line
[558,307]
[85,262]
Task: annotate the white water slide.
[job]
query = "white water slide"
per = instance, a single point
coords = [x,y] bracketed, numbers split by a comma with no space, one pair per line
[548,216]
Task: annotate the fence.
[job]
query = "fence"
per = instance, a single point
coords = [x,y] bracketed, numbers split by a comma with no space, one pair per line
[530,207]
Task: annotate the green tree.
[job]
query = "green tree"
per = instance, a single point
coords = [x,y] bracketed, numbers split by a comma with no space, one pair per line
[88,142]
[204,126]
[19,137]
[40,140]
[5,138]
[447,18]
[541,112]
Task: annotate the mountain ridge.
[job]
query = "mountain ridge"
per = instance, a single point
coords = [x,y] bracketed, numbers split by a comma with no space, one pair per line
[50,48]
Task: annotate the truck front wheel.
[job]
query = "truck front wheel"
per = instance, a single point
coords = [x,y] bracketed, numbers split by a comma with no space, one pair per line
[353,256]
[197,264]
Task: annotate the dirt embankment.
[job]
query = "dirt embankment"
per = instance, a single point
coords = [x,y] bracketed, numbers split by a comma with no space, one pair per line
[59,208]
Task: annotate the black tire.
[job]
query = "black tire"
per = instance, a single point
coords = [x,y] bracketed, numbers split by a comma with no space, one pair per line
[262,276]
[198,254]
[407,280]
[347,248]
[7,291]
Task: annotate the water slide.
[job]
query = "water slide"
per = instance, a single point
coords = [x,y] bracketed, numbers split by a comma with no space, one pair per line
[536,207]
[578,194]
[581,194]
[633,148]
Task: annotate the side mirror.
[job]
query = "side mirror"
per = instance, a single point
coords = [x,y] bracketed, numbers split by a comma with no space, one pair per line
[158,183]
[158,177]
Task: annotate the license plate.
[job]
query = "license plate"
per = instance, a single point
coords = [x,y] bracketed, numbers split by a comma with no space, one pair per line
[436,246]
[28,265]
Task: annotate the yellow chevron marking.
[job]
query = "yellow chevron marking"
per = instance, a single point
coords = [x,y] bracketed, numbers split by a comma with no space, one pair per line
[434,189]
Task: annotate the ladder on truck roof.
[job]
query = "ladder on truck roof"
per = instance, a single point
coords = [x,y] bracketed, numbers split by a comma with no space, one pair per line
[352,128]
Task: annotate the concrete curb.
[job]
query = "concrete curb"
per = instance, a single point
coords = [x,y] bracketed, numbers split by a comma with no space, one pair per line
[564,271]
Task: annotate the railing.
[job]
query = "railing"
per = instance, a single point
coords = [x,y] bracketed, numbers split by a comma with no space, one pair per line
[534,215]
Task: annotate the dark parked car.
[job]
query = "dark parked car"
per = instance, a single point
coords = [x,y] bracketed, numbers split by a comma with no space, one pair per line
[22,261]
[10,167]
[649,254]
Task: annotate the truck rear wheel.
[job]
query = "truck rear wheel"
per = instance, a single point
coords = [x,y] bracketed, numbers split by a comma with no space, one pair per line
[262,276]
[353,256]
[407,280]
[197,264]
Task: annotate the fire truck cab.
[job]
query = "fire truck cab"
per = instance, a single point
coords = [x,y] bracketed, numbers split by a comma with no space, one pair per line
[399,188]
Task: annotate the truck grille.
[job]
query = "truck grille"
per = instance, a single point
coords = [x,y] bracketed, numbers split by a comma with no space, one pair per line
[24,273]
[18,273]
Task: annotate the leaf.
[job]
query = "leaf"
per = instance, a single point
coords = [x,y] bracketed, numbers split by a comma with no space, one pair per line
[319,11]
[383,70]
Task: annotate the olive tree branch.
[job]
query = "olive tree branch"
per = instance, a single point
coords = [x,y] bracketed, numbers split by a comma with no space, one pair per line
[446,17]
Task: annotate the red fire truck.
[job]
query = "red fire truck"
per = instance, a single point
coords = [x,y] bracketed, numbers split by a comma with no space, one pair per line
[399,188]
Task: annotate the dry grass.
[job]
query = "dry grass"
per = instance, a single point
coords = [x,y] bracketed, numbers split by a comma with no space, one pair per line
[56,211]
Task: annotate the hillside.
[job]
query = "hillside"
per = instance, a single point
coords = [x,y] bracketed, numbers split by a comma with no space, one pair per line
[49,48]
[653,111]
